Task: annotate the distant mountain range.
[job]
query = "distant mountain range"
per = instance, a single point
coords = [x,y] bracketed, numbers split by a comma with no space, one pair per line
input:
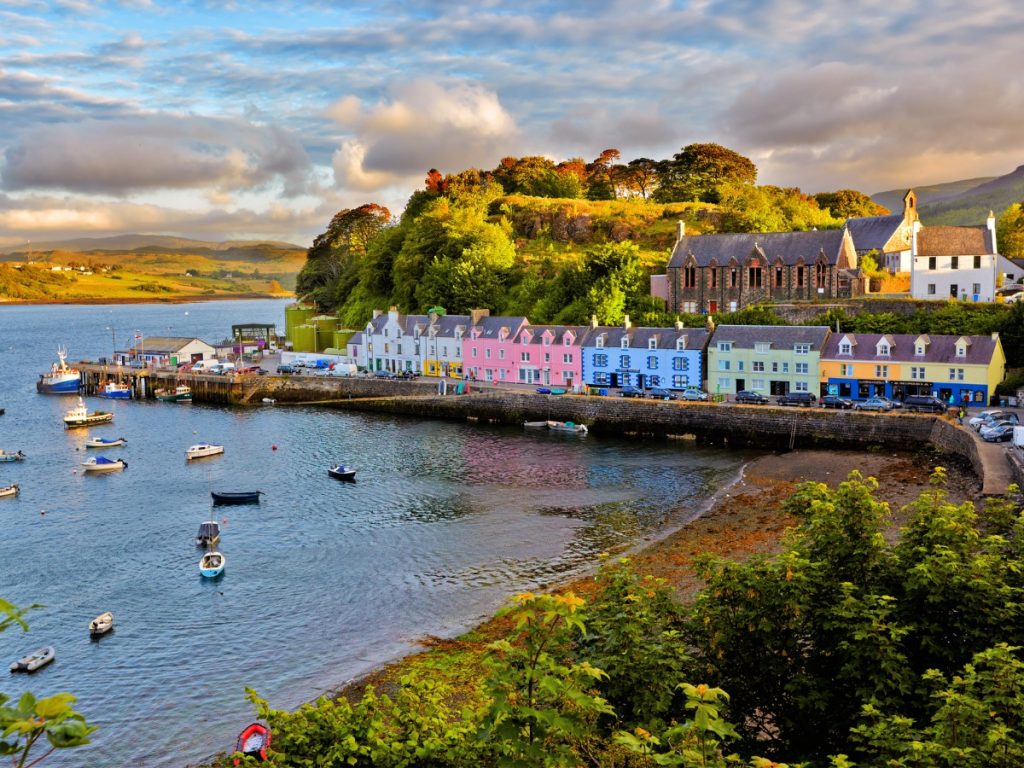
[962,202]
[136,242]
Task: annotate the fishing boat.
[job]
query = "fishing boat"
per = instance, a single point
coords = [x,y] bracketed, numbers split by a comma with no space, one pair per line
[567,426]
[113,390]
[103,464]
[253,741]
[101,624]
[269,401]
[341,472]
[79,416]
[212,564]
[535,425]
[34,660]
[202,450]
[60,379]
[180,394]
[236,497]
[104,442]
[16,456]
[209,534]
[9,490]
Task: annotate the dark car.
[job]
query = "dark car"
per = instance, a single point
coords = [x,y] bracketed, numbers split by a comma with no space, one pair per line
[924,403]
[999,434]
[750,397]
[835,401]
[806,399]
[285,369]
[628,391]
[660,393]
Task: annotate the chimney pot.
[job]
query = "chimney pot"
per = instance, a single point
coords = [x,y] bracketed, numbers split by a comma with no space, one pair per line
[377,313]
[625,322]
[680,229]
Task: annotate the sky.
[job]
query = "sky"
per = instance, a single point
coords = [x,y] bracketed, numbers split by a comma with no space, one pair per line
[260,120]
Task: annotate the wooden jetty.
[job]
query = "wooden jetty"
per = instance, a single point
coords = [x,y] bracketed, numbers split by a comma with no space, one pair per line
[206,387]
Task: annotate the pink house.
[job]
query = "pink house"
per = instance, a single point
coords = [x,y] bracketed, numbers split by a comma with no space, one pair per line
[549,354]
[487,348]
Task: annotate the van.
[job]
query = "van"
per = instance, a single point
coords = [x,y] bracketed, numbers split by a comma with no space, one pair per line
[805,399]
[221,368]
[925,403]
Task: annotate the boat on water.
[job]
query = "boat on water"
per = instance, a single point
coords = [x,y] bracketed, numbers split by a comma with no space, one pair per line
[60,379]
[2,411]
[209,534]
[342,472]
[269,401]
[103,464]
[535,425]
[202,450]
[16,456]
[180,394]
[236,497]
[113,390]
[253,741]
[212,564]
[101,624]
[79,416]
[567,426]
[104,442]
[34,660]
[9,490]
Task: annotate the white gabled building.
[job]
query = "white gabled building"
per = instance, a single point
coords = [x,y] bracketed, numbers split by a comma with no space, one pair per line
[955,262]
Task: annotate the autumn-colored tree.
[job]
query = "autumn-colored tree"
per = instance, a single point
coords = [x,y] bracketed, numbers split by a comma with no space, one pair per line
[638,177]
[849,204]
[599,176]
[1010,232]
[435,182]
[699,170]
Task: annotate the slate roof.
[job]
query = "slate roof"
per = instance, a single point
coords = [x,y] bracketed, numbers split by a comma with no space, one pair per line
[557,332]
[356,338]
[873,232]
[791,247]
[779,336]
[666,338]
[954,241]
[490,327]
[941,349]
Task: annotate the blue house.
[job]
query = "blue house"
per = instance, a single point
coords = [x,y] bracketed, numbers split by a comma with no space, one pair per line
[672,358]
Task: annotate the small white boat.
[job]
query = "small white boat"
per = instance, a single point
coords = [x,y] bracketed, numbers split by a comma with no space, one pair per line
[16,456]
[202,450]
[114,390]
[34,660]
[269,400]
[101,624]
[535,425]
[9,490]
[103,464]
[79,416]
[212,564]
[104,442]
[209,534]
[568,426]
[342,472]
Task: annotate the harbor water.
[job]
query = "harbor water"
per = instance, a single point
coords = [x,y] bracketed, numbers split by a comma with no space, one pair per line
[324,580]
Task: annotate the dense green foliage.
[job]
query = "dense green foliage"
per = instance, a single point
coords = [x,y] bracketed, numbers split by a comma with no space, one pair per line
[697,172]
[1010,232]
[843,650]
[849,204]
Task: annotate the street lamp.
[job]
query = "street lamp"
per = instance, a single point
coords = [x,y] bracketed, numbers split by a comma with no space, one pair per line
[113,344]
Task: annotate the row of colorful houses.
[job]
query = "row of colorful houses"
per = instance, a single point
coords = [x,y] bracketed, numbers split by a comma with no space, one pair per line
[772,360]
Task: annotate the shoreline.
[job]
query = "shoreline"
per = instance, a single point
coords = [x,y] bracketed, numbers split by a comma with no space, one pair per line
[183,299]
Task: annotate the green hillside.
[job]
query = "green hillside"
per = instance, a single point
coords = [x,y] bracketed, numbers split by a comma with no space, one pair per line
[964,202]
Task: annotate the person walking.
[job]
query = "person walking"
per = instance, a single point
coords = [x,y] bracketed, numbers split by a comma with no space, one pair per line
[960,413]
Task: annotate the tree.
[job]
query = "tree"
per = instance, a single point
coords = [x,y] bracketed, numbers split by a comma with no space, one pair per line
[639,176]
[748,208]
[699,170]
[1010,232]
[849,204]
[599,176]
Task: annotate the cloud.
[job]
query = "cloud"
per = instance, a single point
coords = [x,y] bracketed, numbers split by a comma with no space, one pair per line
[426,124]
[127,155]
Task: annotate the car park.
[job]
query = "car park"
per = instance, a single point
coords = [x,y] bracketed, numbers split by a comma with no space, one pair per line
[629,391]
[837,402]
[806,399]
[1007,417]
[692,393]
[924,403]
[660,393]
[1000,433]
[750,397]
[875,404]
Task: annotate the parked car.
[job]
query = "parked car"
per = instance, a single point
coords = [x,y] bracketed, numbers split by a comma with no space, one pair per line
[660,393]
[750,397]
[1007,417]
[924,403]
[285,369]
[1001,433]
[835,401]
[629,391]
[806,399]
[875,404]
[692,393]
[976,421]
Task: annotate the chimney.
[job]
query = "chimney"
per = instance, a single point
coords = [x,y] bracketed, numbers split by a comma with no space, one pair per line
[393,313]
[991,224]
[679,325]
[476,315]
[377,313]
[680,229]
[995,335]
[593,321]
[625,322]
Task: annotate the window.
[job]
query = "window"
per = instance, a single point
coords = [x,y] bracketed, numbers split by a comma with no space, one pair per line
[739,365]
[690,277]
[762,347]
[956,374]
[883,349]
[524,357]
[680,364]
[778,277]
[601,378]
[931,289]
[931,262]
[917,373]
[802,368]
[977,262]
[881,371]
[976,288]
[600,361]
[846,348]
[624,361]
[547,357]
[652,362]
[800,386]
[723,365]
[681,343]
[725,346]
[758,366]
[501,372]
[487,353]
[398,350]
[799,277]
[757,383]
[567,340]
[954,262]
[652,343]
[820,275]
[724,382]
[547,341]
[785,367]
[501,354]
[524,339]
[775,367]
[754,277]
[714,277]
[732,277]
[919,349]
[802,349]
[846,369]
[624,344]
[600,342]
[474,351]
[961,350]
[567,357]
[680,380]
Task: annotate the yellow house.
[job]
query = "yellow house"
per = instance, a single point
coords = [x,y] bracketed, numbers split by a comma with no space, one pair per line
[955,369]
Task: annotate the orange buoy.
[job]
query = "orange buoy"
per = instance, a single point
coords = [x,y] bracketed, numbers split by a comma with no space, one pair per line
[273,447]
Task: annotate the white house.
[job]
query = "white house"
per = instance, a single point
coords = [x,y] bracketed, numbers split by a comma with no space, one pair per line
[158,351]
[890,236]
[955,262]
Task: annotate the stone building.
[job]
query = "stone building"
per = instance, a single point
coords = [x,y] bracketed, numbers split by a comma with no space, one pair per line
[890,237]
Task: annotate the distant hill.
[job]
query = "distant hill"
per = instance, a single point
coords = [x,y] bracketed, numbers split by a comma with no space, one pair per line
[962,202]
[136,242]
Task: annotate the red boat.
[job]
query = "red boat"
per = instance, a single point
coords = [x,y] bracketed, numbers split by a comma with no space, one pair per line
[253,742]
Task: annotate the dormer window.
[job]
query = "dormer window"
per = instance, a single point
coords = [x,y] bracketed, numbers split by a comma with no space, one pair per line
[652,343]
[547,340]
[725,346]
[961,350]
[681,343]
[524,339]
[883,349]
[625,342]
[846,348]
[920,349]
[567,340]
[599,342]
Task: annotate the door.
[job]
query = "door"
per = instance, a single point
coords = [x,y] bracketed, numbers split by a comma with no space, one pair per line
[712,306]
[547,377]
[953,291]
[615,380]
[741,384]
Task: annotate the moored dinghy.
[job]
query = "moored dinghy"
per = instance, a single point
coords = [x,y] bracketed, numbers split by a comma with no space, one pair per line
[342,472]
[9,490]
[101,624]
[236,497]
[16,456]
[212,564]
[209,534]
[105,442]
[34,660]
[568,426]
[103,464]
[535,425]
[253,741]
[202,450]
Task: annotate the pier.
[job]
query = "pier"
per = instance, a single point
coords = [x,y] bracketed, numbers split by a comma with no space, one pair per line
[206,388]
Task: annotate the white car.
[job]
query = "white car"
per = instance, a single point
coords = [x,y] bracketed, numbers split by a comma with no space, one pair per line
[693,394]
[975,422]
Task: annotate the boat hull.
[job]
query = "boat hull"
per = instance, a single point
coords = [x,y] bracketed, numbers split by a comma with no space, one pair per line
[99,443]
[227,497]
[253,742]
[89,421]
[101,624]
[203,453]
[346,475]
[58,385]
[212,564]
[9,490]
[34,661]
[175,398]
